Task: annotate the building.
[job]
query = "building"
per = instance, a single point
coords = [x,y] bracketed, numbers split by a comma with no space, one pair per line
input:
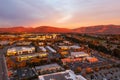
[23,43]
[75,48]
[70,60]
[24,73]
[79,54]
[67,42]
[43,37]
[64,47]
[42,49]
[2,43]
[51,49]
[54,36]
[41,43]
[20,50]
[64,75]
[48,68]
[29,56]
[92,59]
[64,53]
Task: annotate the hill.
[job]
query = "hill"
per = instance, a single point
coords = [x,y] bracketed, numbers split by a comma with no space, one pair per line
[99,29]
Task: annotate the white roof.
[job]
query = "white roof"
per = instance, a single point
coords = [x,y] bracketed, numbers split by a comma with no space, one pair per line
[66,41]
[42,48]
[75,46]
[21,49]
[68,74]
[79,54]
[51,49]
[47,66]
[80,77]
[89,57]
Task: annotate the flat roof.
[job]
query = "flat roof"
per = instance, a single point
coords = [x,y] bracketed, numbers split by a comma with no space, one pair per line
[79,54]
[35,54]
[42,48]
[64,46]
[47,66]
[20,49]
[75,47]
[51,49]
[64,75]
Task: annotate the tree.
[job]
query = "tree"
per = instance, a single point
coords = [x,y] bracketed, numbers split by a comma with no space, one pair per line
[116,53]
[78,70]
[89,70]
[96,69]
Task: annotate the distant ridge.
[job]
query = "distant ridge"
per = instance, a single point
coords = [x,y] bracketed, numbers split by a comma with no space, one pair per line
[99,29]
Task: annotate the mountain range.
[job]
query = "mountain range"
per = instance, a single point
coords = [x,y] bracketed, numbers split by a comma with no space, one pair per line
[99,29]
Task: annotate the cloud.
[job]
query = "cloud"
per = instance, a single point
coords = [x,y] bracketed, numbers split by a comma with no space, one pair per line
[65,19]
[25,12]
[56,12]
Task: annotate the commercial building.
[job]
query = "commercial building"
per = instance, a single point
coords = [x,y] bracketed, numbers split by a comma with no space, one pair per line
[79,54]
[92,59]
[64,75]
[42,49]
[23,43]
[2,43]
[48,68]
[76,48]
[70,60]
[41,43]
[20,50]
[64,47]
[51,49]
[28,56]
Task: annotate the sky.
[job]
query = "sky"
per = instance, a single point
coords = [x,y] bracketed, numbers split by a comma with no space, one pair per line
[59,13]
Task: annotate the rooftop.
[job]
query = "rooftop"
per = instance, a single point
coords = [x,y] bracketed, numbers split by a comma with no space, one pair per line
[47,66]
[65,75]
[20,49]
[79,54]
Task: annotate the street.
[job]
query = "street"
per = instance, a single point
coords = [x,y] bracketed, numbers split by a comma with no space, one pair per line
[3,67]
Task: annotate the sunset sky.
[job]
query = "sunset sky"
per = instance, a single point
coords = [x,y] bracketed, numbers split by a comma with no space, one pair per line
[59,13]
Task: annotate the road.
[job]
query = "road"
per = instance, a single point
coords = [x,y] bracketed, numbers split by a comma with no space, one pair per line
[3,66]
